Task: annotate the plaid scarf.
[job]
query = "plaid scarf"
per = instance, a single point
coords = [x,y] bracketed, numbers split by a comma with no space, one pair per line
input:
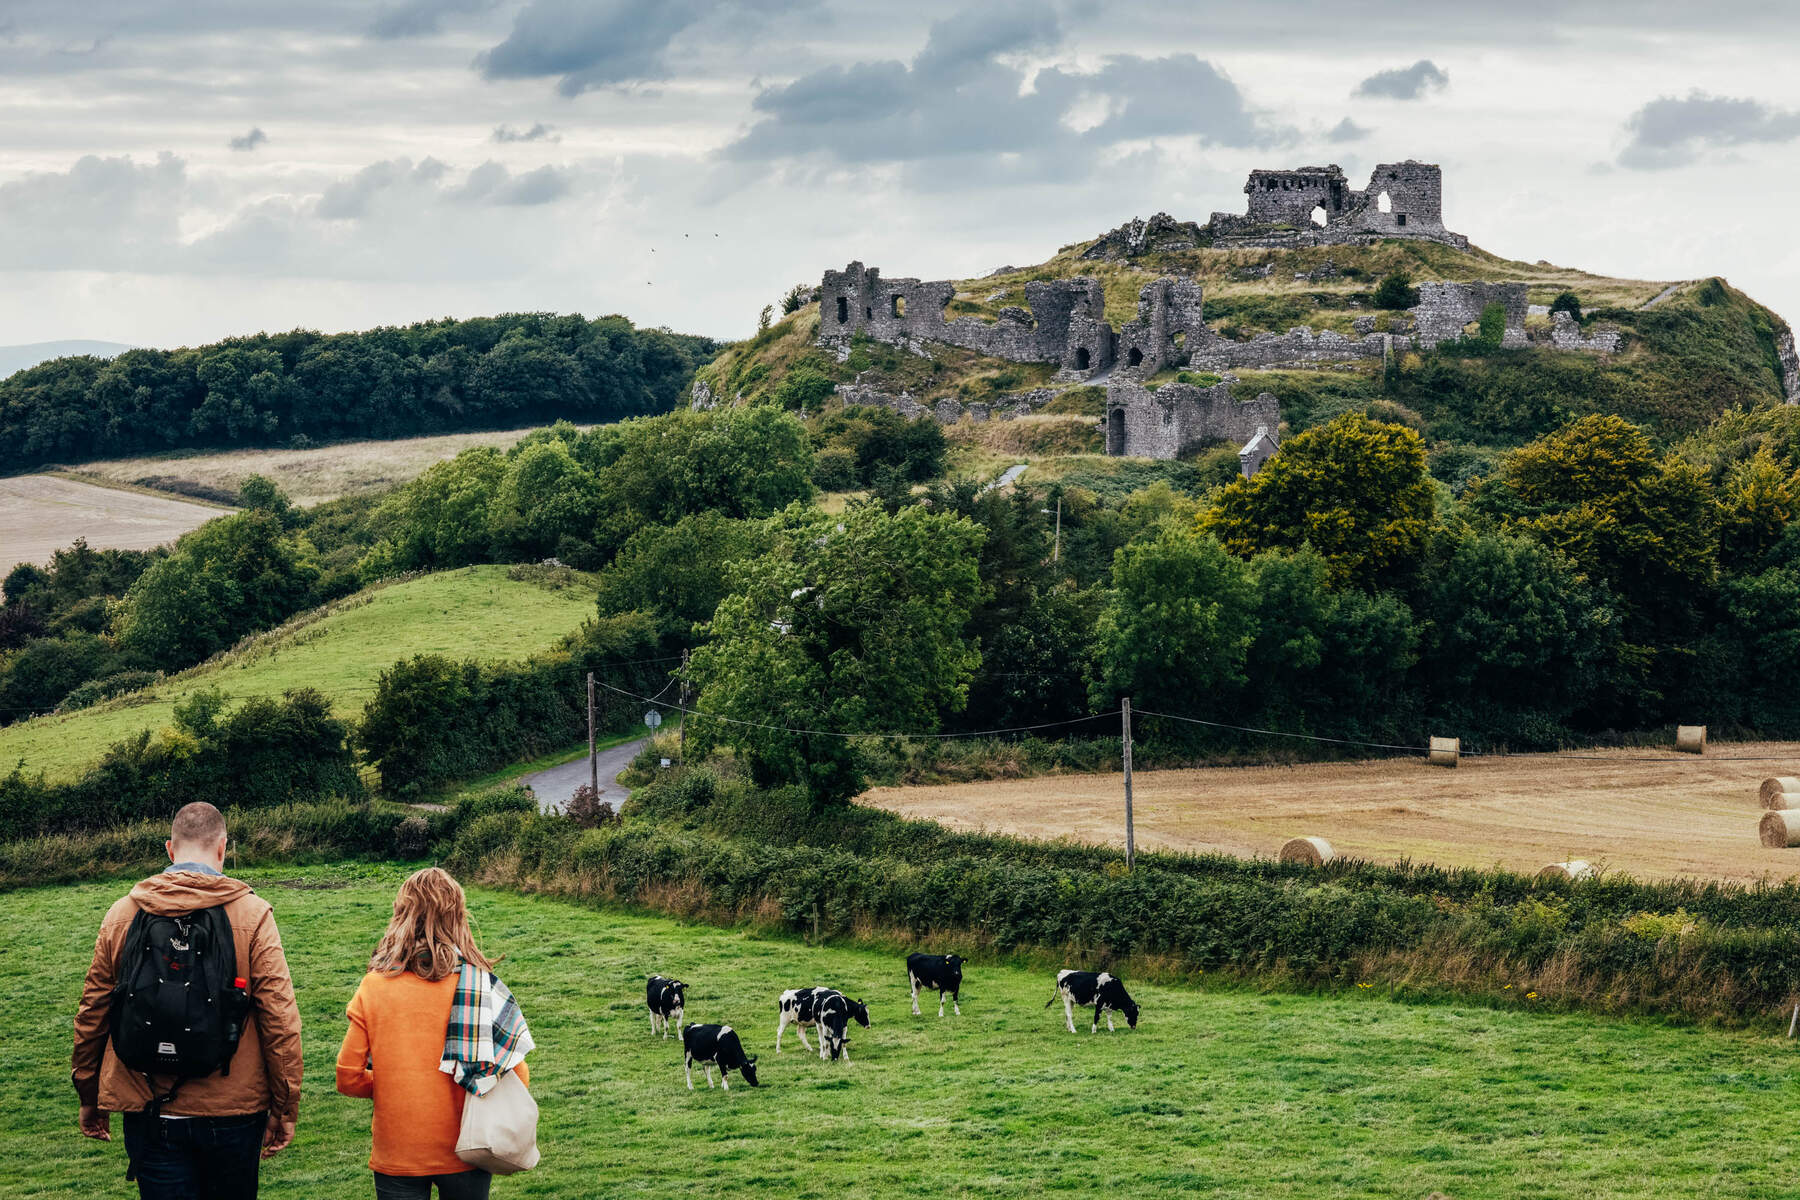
[487,1036]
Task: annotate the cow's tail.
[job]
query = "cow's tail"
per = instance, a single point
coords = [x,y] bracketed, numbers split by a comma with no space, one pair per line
[1053,996]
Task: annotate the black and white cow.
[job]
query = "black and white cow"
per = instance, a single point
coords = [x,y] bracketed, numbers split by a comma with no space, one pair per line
[940,971]
[828,1009]
[716,1045]
[667,998]
[1103,991]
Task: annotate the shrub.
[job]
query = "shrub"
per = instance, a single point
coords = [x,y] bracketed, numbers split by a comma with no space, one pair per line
[587,810]
[1567,302]
[1396,292]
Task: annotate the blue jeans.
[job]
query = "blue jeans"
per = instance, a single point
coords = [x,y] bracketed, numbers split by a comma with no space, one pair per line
[195,1158]
[463,1185]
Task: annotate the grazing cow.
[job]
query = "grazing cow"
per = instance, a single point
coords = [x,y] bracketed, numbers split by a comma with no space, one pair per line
[827,1008]
[1102,990]
[940,971]
[667,998]
[716,1045]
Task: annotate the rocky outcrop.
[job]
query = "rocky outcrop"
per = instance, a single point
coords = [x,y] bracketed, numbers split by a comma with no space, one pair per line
[1790,364]
[1140,236]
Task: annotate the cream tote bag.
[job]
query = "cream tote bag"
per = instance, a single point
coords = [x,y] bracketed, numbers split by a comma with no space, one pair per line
[499,1130]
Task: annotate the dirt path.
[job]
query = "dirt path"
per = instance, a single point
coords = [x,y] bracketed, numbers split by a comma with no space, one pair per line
[40,514]
[1673,816]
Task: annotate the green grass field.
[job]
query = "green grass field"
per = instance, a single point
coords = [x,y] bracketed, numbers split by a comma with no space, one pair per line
[340,650]
[1228,1091]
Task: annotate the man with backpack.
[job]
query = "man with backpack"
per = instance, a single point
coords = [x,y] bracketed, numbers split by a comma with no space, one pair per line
[188,1026]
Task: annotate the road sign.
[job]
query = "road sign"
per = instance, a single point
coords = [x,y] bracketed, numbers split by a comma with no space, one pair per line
[653,718]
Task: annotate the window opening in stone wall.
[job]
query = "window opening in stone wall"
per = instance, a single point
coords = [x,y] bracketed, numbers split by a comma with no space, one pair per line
[1178,342]
[1384,202]
[1135,358]
[869,313]
[1318,214]
[899,306]
[1400,218]
[843,310]
[1082,359]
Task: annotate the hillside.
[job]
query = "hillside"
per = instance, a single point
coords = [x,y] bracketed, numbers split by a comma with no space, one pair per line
[339,649]
[1689,350]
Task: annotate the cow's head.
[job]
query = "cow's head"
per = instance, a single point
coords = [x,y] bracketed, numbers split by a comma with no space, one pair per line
[954,963]
[749,1071]
[859,1012]
[1130,1009]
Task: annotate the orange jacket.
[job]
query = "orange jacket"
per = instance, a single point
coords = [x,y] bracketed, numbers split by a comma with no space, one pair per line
[265,1073]
[391,1055]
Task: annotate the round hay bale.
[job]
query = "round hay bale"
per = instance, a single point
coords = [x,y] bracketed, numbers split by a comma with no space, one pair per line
[1690,739]
[1573,870]
[1312,851]
[1444,752]
[1780,828]
[1776,789]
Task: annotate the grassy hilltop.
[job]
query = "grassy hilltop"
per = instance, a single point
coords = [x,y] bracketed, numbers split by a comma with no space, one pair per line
[1693,349]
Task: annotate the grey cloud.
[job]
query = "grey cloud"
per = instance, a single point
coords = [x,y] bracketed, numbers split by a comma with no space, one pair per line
[607,43]
[539,132]
[1671,132]
[249,141]
[1346,130]
[1405,83]
[351,198]
[492,183]
[101,214]
[971,38]
[420,18]
[955,101]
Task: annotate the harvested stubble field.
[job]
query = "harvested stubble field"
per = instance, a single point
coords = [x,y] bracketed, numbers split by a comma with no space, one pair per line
[308,476]
[1216,1092]
[41,514]
[1674,815]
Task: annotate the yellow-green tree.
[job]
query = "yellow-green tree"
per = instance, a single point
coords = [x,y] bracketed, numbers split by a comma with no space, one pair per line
[1353,489]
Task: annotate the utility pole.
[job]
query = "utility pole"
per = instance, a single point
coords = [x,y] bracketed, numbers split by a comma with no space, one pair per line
[1130,835]
[681,736]
[593,758]
[1056,547]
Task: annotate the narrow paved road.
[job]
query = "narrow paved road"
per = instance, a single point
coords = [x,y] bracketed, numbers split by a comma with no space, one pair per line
[556,785]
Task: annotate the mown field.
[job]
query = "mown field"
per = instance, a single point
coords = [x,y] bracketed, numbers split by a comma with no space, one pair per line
[341,650]
[1652,814]
[308,476]
[41,514]
[1229,1091]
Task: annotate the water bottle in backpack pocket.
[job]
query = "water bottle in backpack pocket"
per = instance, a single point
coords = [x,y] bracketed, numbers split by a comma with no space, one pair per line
[179,1006]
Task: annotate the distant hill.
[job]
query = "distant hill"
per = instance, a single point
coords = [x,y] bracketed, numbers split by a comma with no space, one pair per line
[17,358]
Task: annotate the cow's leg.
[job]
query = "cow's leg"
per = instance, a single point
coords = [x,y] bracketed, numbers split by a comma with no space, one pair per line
[779,1028]
[940,1002]
[1109,1024]
[725,1078]
[690,1071]
[709,1082]
[679,1013]
[1069,1012]
[800,1032]
[844,1050]
[914,980]
[956,1000]
[652,1024]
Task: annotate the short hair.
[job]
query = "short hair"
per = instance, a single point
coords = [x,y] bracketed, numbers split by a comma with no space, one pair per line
[197,824]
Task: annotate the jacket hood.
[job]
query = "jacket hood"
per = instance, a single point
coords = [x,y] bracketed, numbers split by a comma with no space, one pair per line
[171,894]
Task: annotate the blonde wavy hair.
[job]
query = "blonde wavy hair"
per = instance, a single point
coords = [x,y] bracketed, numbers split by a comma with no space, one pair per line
[429,932]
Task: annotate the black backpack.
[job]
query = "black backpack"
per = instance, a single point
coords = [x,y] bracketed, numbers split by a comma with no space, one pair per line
[179,1007]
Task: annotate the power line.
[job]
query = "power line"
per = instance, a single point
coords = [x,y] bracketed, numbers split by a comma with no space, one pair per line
[694,712]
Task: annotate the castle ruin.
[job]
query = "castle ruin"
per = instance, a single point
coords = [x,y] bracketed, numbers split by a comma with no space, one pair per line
[1063,321]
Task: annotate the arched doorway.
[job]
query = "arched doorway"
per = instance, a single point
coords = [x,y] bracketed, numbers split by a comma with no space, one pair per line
[1082,358]
[1115,432]
[1135,358]
[843,310]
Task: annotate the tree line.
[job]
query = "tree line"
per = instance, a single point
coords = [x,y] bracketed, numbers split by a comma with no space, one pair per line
[302,387]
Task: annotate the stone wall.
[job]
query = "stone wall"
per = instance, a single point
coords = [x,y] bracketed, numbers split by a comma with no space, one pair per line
[1445,308]
[1317,207]
[1177,417]
[946,409]
[1300,346]
[1565,334]
[1064,317]
[1171,321]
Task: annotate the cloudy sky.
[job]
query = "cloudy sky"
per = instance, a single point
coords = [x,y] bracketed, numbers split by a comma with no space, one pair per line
[171,172]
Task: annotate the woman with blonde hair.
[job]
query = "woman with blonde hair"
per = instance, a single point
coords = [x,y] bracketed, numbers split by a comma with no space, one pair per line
[430,1024]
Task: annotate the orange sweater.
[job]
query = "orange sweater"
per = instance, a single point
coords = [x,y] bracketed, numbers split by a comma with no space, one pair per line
[391,1055]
